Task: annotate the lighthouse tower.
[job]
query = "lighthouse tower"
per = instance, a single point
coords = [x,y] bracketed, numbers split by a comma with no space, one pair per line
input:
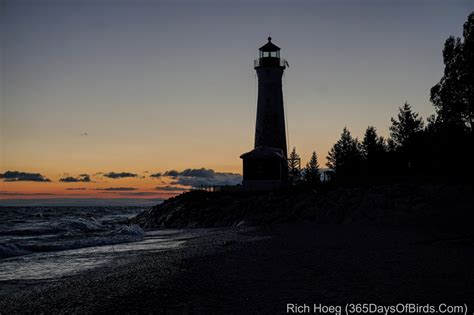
[266,167]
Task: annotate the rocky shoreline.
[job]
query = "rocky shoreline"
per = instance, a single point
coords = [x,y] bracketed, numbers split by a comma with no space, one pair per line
[448,205]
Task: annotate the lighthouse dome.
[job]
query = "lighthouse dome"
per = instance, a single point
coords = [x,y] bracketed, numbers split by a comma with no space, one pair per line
[269,47]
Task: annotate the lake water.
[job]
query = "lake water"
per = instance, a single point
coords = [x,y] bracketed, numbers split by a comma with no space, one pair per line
[49,242]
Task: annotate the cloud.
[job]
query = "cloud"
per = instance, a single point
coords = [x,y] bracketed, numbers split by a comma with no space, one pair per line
[81,178]
[138,193]
[9,193]
[172,173]
[202,176]
[201,173]
[117,188]
[119,175]
[156,175]
[15,176]
[171,188]
[131,193]
[81,188]
[218,180]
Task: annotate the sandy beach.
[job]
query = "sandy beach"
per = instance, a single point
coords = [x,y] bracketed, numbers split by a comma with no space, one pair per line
[260,270]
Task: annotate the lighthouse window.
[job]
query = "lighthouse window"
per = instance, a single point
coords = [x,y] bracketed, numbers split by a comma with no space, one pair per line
[265,54]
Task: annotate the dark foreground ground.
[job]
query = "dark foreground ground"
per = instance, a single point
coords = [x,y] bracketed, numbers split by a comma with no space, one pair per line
[244,270]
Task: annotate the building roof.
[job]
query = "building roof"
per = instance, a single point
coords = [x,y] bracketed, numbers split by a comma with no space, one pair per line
[263,152]
[269,46]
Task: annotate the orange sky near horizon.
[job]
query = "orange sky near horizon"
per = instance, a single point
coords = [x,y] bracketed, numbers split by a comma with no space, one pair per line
[99,187]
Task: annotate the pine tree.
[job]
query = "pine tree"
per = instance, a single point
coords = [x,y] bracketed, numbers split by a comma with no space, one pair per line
[311,171]
[404,129]
[345,156]
[372,144]
[391,146]
[294,165]
[374,151]
[407,133]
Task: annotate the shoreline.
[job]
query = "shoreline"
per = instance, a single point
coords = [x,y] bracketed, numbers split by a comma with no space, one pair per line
[83,291]
[259,270]
[387,204]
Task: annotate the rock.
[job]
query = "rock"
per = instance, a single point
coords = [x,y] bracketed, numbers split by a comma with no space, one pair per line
[383,204]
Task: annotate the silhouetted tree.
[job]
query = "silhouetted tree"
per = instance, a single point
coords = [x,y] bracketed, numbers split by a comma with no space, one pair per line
[311,171]
[407,134]
[372,144]
[404,129]
[294,165]
[432,124]
[391,146]
[412,149]
[453,96]
[449,135]
[345,156]
[373,150]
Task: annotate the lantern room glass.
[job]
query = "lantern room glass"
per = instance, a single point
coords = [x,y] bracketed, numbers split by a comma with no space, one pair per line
[266,54]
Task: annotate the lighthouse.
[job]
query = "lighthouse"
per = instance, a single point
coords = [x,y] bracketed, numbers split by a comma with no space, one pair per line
[266,166]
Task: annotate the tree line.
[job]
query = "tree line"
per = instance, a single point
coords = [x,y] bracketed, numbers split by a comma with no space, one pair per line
[439,147]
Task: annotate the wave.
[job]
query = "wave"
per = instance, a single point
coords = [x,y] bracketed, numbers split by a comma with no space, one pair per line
[132,229]
[81,224]
[69,225]
[11,250]
[121,234]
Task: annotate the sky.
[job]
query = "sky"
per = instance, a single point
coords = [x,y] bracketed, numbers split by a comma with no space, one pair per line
[144,87]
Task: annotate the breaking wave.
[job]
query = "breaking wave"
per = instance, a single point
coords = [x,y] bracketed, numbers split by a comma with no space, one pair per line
[65,229]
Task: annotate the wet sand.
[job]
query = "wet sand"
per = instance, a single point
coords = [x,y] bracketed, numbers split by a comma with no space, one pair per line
[260,270]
